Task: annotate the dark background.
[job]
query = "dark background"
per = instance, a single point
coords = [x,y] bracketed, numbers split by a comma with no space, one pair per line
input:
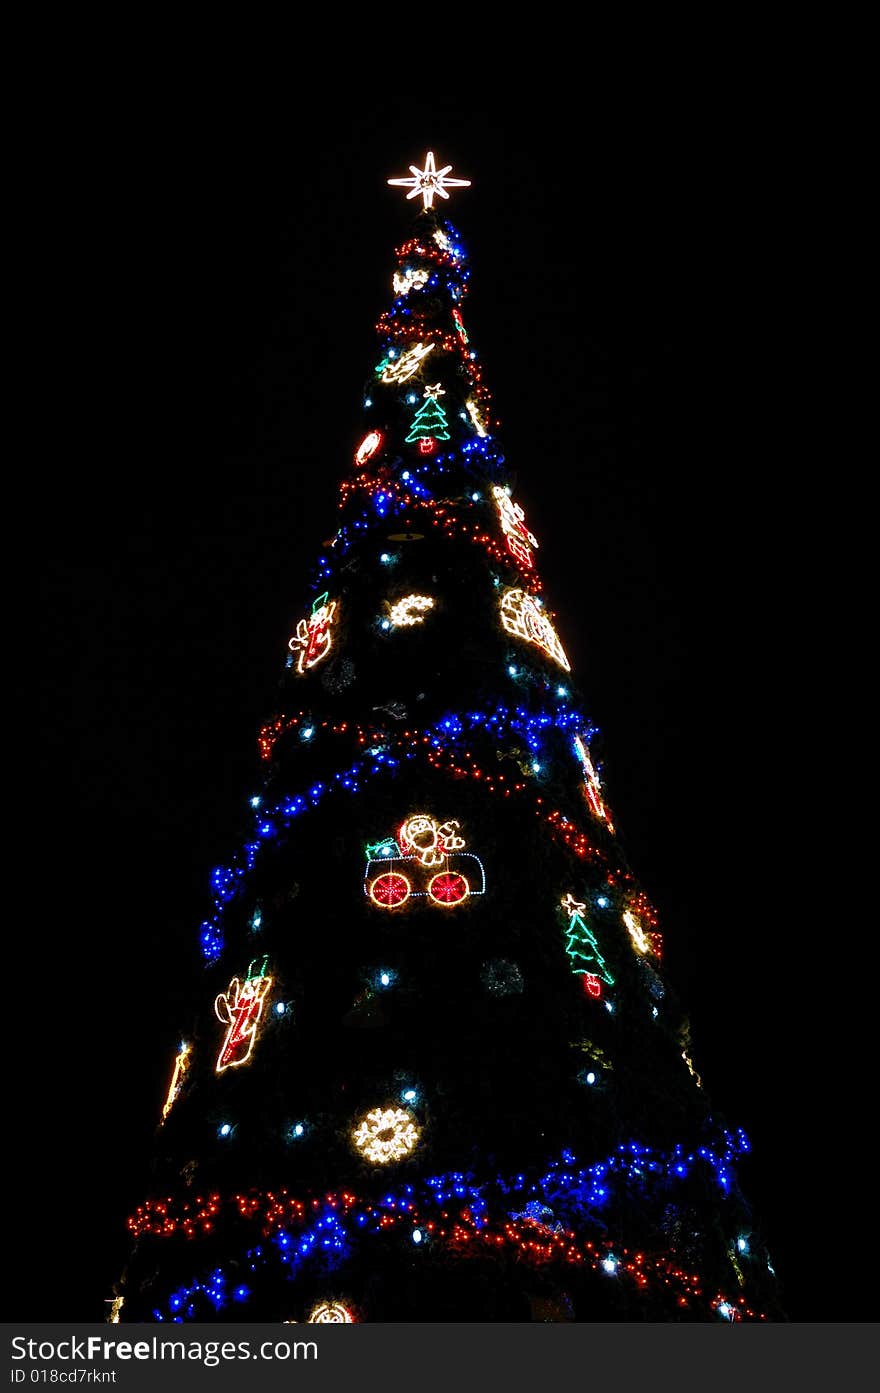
[208,328]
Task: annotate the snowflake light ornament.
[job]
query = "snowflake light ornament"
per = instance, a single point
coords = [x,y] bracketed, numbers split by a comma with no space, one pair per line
[330,1313]
[386,1134]
[429,181]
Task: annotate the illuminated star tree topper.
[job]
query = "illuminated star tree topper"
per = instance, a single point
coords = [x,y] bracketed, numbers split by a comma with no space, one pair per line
[429,181]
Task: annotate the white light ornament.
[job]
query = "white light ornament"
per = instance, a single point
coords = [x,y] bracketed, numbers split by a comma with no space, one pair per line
[313,637]
[519,539]
[477,420]
[181,1064]
[386,1134]
[429,181]
[691,1070]
[368,447]
[240,1007]
[592,786]
[410,610]
[640,941]
[328,1313]
[407,365]
[413,278]
[522,618]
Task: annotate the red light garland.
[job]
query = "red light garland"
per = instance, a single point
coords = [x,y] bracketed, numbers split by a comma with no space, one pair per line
[459,1233]
[460,765]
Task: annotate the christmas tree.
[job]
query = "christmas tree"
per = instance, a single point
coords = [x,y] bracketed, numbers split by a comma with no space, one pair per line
[430,423]
[435,1073]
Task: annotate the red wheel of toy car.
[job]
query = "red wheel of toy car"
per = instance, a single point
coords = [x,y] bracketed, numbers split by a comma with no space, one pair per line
[389,890]
[448,888]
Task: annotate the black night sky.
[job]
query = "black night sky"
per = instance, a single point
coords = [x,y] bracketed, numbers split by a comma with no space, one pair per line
[209,331]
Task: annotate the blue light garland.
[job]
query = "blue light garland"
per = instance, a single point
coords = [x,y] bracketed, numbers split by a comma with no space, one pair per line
[563,1196]
[481,457]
